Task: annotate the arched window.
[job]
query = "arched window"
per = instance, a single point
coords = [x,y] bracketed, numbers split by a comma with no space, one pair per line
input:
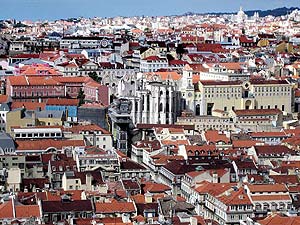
[160,107]
[198,110]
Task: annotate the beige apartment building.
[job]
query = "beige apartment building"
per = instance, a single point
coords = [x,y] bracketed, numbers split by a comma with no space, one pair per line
[253,94]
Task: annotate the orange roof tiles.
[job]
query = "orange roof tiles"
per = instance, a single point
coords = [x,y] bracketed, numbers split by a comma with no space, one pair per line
[44,144]
[90,127]
[4,98]
[17,80]
[28,105]
[164,159]
[213,188]
[72,79]
[165,75]
[6,210]
[214,136]
[175,142]
[271,197]
[238,197]
[155,187]
[251,112]
[62,101]
[275,219]
[27,211]
[115,207]
[56,195]
[244,143]
[268,134]
[33,81]
[217,82]
[39,70]
[267,188]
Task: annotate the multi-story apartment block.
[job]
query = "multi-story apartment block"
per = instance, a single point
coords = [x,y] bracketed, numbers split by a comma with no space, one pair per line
[269,197]
[34,88]
[153,64]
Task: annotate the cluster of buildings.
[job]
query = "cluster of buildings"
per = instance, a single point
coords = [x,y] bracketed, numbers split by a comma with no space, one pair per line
[185,120]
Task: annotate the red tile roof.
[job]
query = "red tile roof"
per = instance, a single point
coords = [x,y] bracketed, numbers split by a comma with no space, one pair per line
[274,149]
[268,134]
[63,101]
[285,179]
[28,105]
[217,82]
[44,144]
[154,58]
[115,207]
[214,136]
[6,210]
[32,81]
[275,219]
[244,143]
[235,197]
[269,197]
[154,187]
[27,211]
[267,188]
[90,127]
[268,82]
[4,99]
[252,112]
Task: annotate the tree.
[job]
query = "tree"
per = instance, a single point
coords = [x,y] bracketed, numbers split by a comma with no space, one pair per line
[81,97]
[94,76]
[180,50]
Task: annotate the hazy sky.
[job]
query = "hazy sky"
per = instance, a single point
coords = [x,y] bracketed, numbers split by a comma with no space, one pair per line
[56,9]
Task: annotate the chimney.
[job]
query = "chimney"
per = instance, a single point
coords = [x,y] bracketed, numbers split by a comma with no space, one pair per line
[148,197]
[215,177]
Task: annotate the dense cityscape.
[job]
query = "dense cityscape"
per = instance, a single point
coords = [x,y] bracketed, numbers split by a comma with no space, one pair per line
[187,119]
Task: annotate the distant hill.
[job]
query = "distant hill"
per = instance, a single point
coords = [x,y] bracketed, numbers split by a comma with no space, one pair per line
[262,13]
[272,12]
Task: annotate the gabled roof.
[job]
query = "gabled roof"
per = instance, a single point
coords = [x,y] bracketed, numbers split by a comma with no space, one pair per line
[214,136]
[235,197]
[27,211]
[152,187]
[6,210]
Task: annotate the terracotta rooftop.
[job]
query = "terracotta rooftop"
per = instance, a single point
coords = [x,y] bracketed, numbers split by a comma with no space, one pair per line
[115,207]
[267,188]
[252,112]
[275,219]
[63,101]
[44,144]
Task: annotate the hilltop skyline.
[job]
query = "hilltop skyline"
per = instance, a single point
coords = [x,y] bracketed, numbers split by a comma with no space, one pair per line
[35,9]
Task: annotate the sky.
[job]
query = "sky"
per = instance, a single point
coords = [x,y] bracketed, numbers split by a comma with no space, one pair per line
[58,9]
